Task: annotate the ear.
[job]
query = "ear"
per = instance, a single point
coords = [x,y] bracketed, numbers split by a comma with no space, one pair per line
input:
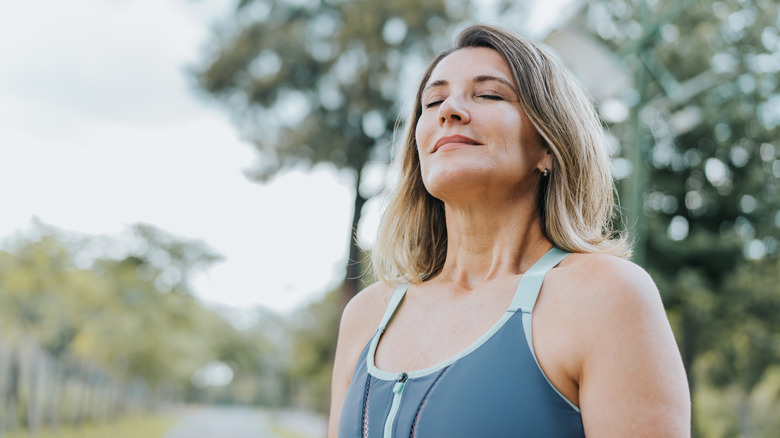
[546,161]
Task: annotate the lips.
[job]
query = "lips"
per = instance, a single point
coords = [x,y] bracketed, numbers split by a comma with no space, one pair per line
[454,139]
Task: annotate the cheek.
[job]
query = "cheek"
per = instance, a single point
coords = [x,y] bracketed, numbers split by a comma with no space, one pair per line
[428,166]
[422,132]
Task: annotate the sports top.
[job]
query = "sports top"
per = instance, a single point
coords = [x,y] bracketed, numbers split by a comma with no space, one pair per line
[494,388]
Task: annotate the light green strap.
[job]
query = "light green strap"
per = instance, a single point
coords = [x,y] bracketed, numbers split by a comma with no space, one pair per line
[525,299]
[531,282]
[398,295]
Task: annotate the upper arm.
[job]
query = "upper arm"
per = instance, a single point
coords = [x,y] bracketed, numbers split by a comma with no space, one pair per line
[359,320]
[632,380]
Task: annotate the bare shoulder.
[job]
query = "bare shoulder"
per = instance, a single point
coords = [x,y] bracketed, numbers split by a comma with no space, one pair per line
[606,296]
[606,270]
[364,311]
[608,283]
[627,356]
[360,319]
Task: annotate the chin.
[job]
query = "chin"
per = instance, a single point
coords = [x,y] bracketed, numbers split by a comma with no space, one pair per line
[455,182]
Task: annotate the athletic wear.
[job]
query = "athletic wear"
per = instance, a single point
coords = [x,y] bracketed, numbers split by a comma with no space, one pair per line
[494,388]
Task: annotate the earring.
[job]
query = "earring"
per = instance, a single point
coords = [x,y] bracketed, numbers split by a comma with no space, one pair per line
[546,172]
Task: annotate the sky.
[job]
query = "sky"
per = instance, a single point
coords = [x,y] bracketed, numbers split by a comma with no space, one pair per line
[101,127]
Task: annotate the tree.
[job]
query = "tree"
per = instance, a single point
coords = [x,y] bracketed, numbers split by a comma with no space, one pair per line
[38,284]
[130,313]
[744,358]
[317,82]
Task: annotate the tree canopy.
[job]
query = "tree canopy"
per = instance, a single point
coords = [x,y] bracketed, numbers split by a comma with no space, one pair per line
[318,82]
[130,312]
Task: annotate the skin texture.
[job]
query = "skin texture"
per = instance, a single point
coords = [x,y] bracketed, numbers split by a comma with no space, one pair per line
[600,332]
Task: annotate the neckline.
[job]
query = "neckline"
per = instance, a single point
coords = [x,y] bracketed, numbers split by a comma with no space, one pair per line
[385,375]
[523,300]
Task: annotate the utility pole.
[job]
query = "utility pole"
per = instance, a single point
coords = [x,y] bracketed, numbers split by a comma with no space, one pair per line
[638,177]
[648,68]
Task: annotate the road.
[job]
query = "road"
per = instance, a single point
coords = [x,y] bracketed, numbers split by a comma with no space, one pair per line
[212,422]
[241,422]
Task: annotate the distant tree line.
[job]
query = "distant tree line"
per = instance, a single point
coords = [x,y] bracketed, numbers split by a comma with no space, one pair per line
[90,325]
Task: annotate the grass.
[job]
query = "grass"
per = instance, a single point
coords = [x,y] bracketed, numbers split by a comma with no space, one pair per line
[286,432]
[134,426]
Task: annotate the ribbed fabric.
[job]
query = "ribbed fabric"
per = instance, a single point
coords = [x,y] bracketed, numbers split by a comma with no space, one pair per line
[492,389]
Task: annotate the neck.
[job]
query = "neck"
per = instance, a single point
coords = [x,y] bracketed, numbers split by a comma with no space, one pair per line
[486,243]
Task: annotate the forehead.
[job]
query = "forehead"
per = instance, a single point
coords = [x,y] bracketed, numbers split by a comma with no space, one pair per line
[470,62]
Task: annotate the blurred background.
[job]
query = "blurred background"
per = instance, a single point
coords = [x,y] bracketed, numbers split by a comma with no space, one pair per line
[189,190]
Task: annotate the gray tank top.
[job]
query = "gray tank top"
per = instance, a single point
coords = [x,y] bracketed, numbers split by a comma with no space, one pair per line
[494,388]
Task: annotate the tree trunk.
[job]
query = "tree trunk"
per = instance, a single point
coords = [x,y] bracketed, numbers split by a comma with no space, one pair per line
[351,284]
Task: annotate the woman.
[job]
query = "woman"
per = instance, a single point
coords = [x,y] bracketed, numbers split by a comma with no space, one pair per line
[516,313]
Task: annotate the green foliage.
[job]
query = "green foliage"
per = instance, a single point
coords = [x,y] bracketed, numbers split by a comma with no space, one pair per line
[729,412]
[317,82]
[314,330]
[751,293]
[132,315]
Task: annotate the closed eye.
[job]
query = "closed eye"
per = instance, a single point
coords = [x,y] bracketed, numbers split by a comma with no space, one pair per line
[491,97]
[434,103]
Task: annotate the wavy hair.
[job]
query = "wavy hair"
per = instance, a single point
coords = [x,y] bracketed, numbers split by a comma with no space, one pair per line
[576,201]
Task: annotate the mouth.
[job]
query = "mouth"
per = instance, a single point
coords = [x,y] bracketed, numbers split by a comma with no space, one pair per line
[455,139]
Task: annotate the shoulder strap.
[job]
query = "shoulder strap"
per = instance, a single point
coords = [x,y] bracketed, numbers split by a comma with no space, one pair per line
[525,299]
[398,295]
[531,282]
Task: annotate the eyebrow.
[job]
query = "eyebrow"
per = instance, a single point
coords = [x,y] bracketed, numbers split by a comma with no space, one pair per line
[477,80]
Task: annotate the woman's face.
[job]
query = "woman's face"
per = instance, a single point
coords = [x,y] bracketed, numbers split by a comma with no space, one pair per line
[473,137]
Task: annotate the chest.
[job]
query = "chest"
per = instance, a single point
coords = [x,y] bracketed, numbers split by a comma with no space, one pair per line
[426,331]
[494,390]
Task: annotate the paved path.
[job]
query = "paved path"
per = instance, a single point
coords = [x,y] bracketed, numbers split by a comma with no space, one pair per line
[216,422]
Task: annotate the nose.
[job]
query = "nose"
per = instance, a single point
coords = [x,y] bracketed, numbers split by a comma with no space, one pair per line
[453,110]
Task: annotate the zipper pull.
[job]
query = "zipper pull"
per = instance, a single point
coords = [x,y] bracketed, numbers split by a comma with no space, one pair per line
[399,385]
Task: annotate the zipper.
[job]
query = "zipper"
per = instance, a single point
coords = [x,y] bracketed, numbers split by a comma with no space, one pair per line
[398,390]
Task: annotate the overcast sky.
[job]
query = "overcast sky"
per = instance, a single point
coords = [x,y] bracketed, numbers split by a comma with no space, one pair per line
[101,128]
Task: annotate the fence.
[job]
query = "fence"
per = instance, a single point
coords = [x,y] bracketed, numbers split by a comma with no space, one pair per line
[38,391]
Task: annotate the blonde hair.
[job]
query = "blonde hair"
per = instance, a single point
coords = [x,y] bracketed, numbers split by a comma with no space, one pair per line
[576,201]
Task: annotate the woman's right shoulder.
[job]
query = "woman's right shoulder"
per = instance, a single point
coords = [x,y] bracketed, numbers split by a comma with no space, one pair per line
[364,311]
[359,322]
[361,317]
